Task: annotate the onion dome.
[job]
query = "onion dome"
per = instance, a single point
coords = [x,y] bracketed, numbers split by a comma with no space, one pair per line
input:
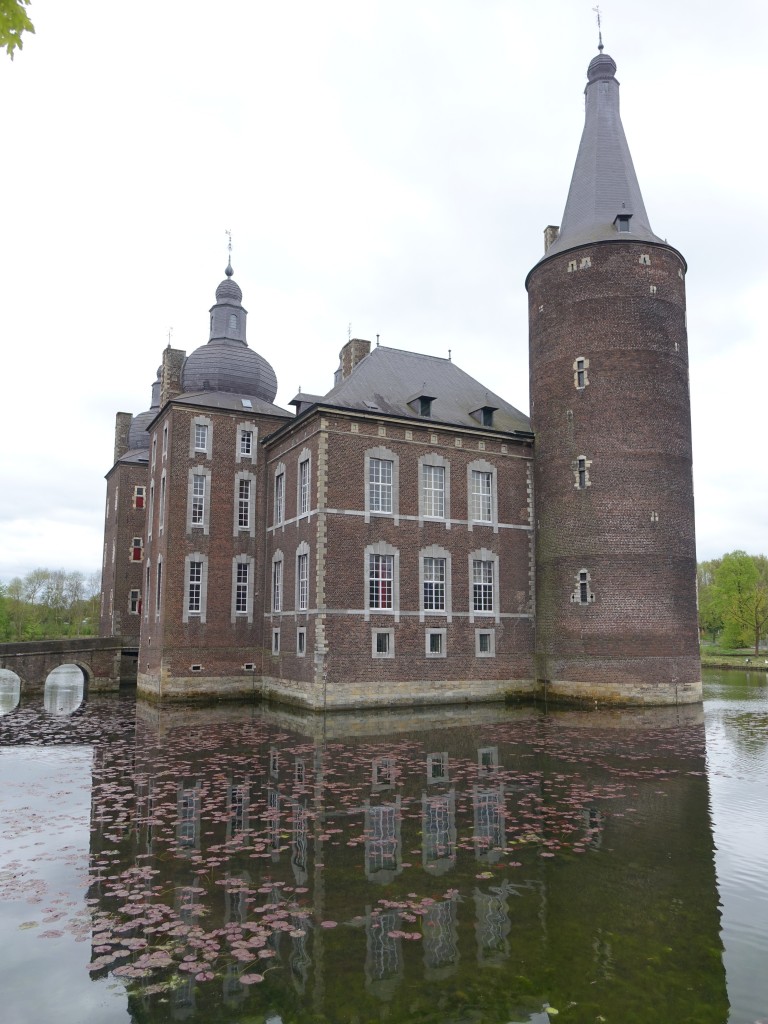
[226,363]
[138,436]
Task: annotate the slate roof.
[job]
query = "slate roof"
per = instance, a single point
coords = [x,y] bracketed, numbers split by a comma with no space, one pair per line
[226,400]
[226,365]
[388,379]
[604,183]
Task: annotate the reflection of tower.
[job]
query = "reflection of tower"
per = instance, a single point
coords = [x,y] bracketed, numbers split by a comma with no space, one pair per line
[492,924]
[383,861]
[438,825]
[441,953]
[615,555]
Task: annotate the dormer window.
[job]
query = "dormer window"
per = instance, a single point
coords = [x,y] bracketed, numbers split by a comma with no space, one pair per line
[622,222]
[425,406]
[484,415]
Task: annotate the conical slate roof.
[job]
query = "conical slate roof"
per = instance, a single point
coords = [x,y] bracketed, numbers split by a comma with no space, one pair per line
[604,185]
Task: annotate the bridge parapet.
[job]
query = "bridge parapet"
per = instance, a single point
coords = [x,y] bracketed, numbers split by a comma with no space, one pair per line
[103,660]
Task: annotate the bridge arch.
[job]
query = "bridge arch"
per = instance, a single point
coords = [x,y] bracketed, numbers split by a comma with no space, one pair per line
[65,688]
[10,691]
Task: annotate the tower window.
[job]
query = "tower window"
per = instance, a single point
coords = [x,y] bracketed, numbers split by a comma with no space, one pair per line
[233,321]
[622,222]
[581,472]
[580,375]
[583,592]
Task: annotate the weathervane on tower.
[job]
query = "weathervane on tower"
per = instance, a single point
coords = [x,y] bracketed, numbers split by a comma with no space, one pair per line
[229,271]
[599,28]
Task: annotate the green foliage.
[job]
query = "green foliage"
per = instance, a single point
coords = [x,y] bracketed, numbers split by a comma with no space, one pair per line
[14,20]
[49,604]
[733,599]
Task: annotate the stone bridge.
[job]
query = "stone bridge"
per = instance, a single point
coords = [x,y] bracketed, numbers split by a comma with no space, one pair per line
[104,661]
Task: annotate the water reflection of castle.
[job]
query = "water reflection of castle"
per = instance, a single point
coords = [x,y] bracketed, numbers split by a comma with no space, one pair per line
[394,825]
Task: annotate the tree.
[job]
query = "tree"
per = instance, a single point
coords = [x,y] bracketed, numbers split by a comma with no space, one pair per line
[741,585]
[710,614]
[14,20]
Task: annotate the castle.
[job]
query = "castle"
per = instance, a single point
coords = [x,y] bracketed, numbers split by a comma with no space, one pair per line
[410,537]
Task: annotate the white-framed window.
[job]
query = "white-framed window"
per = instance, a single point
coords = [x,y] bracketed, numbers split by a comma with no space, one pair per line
[433,588]
[435,642]
[198,498]
[134,602]
[482,494]
[154,452]
[246,442]
[147,582]
[485,643]
[583,593]
[383,643]
[151,513]
[243,504]
[158,587]
[137,549]
[242,584]
[437,767]
[302,577]
[196,586]
[277,581]
[580,374]
[483,583]
[139,496]
[161,516]
[165,440]
[434,487]
[304,483]
[275,647]
[201,436]
[382,484]
[301,641]
[279,494]
[381,567]
[581,472]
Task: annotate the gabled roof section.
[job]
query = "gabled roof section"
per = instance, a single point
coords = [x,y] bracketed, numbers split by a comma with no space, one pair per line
[604,185]
[247,404]
[387,380]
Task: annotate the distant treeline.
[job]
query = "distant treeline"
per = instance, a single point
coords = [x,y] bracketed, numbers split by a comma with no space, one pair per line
[733,599]
[50,603]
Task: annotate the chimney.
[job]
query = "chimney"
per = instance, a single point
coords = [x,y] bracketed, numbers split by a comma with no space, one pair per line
[355,350]
[550,235]
[170,374]
[122,427]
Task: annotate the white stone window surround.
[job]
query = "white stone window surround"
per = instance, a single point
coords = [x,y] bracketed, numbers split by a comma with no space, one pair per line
[301,642]
[277,584]
[436,460]
[382,548]
[250,526]
[134,601]
[201,612]
[583,593]
[580,466]
[195,437]
[435,551]
[387,633]
[147,588]
[302,584]
[249,563]
[279,495]
[304,484]
[161,510]
[205,473]
[275,652]
[166,434]
[243,428]
[440,632]
[154,452]
[151,513]
[484,555]
[385,455]
[483,466]
[158,588]
[491,643]
[580,373]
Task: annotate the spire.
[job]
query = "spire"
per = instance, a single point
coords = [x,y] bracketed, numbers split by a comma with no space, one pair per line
[604,201]
[229,271]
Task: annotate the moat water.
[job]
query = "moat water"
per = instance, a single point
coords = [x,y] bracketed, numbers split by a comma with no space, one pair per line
[254,865]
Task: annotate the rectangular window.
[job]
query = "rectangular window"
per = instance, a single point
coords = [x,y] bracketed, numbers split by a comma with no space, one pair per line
[434,584]
[244,504]
[194,588]
[162,502]
[151,513]
[165,440]
[277,586]
[201,437]
[301,641]
[302,575]
[246,442]
[158,587]
[482,585]
[433,482]
[380,576]
[481,509]
[380,485]
[485,643]
[382,643]
[198,499]
[582,473]
[138,497]
[279,498]
[136,549]
[435,643]
[134,602]
[241,589]
[304,487]
[275,650]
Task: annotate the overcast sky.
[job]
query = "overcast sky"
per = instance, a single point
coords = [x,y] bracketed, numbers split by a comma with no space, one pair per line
[386,164]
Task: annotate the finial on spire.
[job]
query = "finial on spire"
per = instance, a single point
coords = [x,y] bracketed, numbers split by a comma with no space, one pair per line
[170,332]
[229,271]
[599,29]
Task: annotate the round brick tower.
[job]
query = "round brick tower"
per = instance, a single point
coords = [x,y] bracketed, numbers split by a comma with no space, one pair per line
[616,616]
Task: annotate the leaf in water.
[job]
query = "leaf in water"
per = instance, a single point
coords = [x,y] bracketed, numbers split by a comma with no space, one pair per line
[251,979]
